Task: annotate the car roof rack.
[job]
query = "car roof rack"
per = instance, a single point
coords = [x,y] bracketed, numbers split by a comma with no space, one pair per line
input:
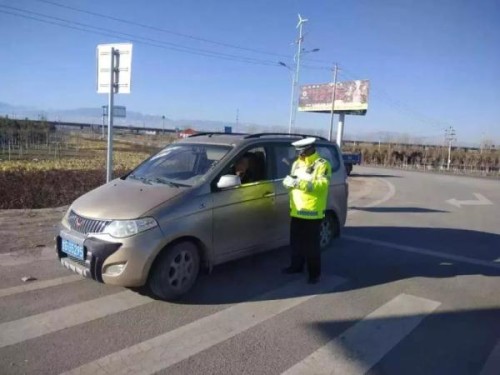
[258,135]
[213,133]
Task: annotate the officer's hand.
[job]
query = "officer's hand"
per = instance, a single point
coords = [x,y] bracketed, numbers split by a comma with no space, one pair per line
[304,176]
[290,182]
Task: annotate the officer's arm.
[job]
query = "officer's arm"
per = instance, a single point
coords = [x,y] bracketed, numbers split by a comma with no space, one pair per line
[287,182]
[320,181]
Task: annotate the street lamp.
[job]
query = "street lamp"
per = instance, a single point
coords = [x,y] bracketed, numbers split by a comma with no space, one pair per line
[163,123]
[292,75]
[295,79]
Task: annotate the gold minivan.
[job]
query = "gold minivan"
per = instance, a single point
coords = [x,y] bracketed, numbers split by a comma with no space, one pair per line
[186,208]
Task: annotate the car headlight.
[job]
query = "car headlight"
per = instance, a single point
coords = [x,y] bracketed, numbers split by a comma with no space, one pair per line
[127,228]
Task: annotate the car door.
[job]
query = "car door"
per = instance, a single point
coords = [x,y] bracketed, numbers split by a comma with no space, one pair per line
[284,156]
[243,216]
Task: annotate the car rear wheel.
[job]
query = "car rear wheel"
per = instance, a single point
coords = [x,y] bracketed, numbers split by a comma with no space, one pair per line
[348,168]
[175,271]
[329,230]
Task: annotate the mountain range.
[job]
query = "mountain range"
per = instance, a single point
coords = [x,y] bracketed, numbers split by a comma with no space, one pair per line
[138,119]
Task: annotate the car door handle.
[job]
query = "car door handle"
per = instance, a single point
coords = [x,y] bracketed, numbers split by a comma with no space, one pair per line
[269,194]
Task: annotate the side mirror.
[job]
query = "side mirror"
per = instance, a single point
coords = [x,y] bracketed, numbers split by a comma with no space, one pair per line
[228,181]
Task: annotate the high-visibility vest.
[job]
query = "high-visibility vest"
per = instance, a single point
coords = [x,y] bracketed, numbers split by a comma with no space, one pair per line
[308,200]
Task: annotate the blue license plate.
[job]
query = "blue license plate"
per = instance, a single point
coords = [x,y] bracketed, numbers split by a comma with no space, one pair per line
[72,249]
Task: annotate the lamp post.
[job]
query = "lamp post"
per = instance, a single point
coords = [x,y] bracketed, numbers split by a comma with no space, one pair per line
[281,63]
[295,77]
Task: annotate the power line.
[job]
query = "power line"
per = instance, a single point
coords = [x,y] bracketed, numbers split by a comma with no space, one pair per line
[176,33]
[399,105]
[139,39]
[155,28]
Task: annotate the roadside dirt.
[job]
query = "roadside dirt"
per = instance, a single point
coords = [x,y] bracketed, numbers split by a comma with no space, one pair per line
[32,231]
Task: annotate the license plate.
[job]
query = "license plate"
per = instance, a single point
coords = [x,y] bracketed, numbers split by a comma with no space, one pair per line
[72,249]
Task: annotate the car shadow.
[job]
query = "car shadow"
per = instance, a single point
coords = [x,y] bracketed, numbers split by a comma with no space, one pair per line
[374,175]
[362,264]
[397,210]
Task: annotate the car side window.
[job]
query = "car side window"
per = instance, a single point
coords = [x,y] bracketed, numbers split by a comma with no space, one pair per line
[284,156]
[251,166]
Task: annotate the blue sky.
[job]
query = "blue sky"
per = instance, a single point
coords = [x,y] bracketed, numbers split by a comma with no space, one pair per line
[431,63]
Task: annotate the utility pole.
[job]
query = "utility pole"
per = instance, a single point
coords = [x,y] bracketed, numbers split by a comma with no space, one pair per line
[334,87]
[449,137]
[297,71]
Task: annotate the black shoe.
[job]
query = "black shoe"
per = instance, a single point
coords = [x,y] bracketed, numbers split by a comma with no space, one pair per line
[291,270]
[313,280]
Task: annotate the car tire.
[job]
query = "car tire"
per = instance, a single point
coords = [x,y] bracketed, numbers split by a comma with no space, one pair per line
[175,271]
[348,169]
[329,230]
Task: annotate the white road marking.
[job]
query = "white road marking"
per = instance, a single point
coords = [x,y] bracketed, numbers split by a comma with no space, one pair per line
[36,285]
[163,351]
[41,324]
[480,200]
[23,257]
[390,193]
[364,344]
[492,364]
[421,251]
[387,196]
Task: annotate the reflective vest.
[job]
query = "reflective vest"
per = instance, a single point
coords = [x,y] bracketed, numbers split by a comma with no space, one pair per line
[308,200]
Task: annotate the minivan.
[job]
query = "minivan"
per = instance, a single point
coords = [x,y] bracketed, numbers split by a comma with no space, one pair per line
[184,209]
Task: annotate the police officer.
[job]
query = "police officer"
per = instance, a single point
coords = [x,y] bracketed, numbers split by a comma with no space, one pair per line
[308,185]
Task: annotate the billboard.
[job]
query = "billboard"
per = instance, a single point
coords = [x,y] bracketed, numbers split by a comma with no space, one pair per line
[351,97]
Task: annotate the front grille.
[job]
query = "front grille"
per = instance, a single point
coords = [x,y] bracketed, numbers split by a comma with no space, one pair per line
[79,261]
[84,225]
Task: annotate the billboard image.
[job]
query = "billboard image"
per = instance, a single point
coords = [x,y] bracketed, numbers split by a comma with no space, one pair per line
[351,97]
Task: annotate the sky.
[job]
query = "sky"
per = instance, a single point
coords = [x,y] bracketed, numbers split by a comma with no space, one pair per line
[431,64]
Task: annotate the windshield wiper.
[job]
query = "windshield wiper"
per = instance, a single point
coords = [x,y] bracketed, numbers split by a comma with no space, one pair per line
[143,179]
[162,180]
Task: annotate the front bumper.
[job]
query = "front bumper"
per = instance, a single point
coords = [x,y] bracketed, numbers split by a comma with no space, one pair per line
[135,253]
[96,251]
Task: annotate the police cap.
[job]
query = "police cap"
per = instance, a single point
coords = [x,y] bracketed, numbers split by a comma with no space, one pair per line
[304,144]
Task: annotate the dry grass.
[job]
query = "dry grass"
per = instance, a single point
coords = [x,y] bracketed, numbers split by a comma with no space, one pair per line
[41,183]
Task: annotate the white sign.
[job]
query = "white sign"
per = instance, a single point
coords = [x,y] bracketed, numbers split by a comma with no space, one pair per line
[122,66]
[118,111]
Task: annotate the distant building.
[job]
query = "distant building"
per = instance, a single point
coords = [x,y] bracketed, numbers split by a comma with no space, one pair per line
[187,132]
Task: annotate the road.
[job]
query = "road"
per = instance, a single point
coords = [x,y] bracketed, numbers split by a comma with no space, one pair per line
[410,288]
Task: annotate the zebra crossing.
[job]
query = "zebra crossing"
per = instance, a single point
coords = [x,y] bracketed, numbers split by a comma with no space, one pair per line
[375,330]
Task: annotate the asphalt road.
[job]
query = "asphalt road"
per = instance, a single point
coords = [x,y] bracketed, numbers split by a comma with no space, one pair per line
[411,288]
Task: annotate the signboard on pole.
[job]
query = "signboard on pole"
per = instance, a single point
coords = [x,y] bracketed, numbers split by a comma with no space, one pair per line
[118,111]
[351,97]
[123,55]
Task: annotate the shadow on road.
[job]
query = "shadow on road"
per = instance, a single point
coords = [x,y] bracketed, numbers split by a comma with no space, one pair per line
[374,175]
[397,210]
[362,264]
[445,342]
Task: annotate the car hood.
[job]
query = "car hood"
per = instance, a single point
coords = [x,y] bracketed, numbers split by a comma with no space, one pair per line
[123,199]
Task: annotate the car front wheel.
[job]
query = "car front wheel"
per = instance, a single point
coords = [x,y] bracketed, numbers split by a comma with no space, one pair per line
[175,271]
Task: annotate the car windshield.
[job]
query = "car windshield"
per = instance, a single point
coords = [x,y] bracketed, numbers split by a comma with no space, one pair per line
[179,164]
